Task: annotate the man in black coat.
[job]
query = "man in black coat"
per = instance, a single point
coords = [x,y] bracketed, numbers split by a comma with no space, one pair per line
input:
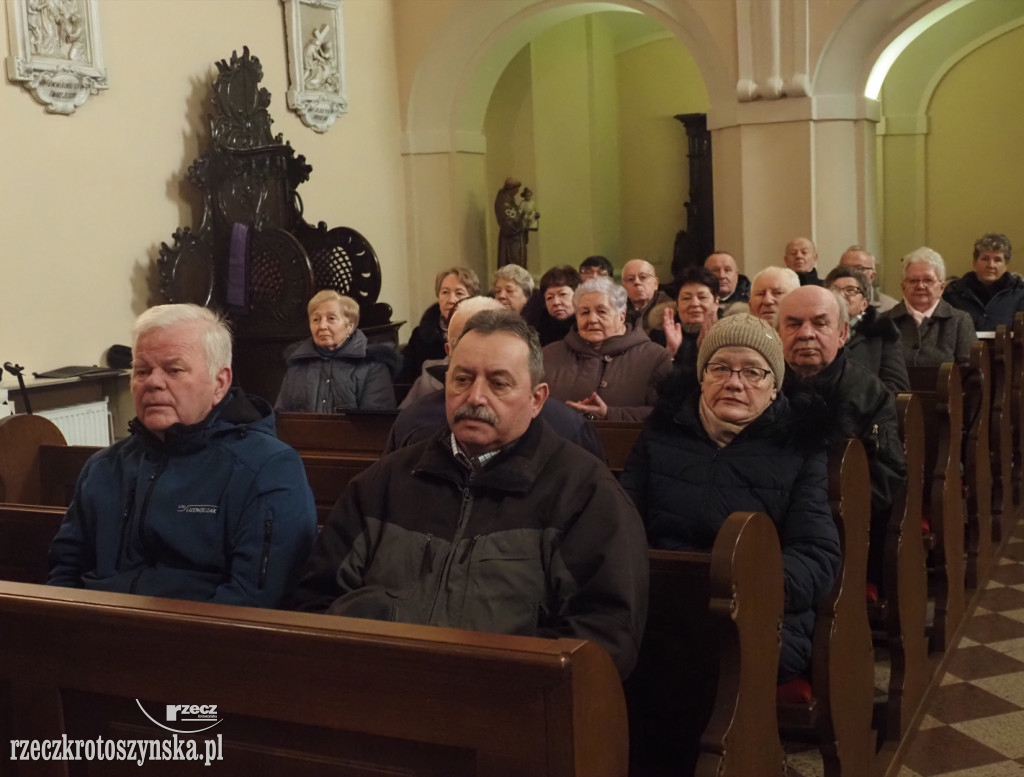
[824,385]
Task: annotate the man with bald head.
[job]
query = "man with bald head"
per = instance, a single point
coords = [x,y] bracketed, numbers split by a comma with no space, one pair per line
[802,258]
[857,258]
[733,287]
[769,287]
[834,392]
[641,284]
[425,414]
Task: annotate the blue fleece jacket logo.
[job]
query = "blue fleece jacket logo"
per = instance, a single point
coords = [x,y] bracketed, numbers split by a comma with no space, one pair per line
[204,509]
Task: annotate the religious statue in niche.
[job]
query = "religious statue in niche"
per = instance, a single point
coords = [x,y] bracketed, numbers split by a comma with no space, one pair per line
[56,51]
[516,220]
[316,72]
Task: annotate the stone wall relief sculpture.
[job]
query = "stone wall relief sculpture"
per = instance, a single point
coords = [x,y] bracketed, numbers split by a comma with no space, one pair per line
[55,51]
[316,68]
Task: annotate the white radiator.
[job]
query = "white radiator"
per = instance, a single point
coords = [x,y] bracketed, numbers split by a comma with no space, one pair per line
[87,424]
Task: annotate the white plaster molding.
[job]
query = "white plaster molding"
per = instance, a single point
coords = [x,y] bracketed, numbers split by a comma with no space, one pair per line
[839,107]
[772,43]
[907,124]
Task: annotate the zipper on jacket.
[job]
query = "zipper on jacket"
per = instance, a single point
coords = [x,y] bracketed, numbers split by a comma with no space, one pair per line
[427,562]
[153,477]
[442,581]
[469,549]
[268,534]
[126,524]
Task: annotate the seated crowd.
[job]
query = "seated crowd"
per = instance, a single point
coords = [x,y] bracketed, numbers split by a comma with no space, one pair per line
[491,510]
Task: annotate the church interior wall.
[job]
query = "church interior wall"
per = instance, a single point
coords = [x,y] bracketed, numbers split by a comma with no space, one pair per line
[91,196]
[973,178]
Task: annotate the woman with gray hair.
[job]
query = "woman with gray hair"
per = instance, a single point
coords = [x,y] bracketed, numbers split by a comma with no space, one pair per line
[513,286]
[931,330]
[602,369]
[337,368]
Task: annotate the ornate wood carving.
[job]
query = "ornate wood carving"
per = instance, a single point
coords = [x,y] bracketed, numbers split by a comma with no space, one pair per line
[249,176]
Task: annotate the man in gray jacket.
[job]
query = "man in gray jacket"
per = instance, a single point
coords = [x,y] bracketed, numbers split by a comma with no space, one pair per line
[494,524]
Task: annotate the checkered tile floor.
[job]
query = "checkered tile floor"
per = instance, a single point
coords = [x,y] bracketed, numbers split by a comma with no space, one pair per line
[975,721]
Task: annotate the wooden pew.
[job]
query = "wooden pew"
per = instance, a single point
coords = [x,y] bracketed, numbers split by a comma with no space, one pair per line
[709,658]
[618,438]
[1000,439]
[20,438]
[59,467]
[328,477]
[942,407]
[26,532]
[1017,409]
[839,714]
[306,694]
[976,379]
[906,587]
[345,434]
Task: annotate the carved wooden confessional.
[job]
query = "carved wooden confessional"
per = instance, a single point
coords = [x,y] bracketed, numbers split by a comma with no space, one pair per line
[253,257]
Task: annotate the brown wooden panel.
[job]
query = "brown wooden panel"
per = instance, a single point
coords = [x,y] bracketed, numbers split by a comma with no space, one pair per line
[702,697]
[617,438]
[20,438]
[409,699]
[906,586]
[343,433]
[26,532]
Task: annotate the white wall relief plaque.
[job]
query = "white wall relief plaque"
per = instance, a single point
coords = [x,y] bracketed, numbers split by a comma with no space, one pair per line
[55,51]
[316,66]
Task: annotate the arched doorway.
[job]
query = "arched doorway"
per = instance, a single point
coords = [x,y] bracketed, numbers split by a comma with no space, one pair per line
[451,192]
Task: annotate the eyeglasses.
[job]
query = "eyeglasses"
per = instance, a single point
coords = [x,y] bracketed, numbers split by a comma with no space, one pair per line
[750,376]
[926,282]
[849,292]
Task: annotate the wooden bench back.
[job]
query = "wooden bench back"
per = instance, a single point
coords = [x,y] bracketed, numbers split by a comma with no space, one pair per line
[308,694]
[20,438]
[942,407]
[906,583]
[26,532]
[340,433]
[702,696]
[1001,434]
[976,382]
[617,438]
[842,657]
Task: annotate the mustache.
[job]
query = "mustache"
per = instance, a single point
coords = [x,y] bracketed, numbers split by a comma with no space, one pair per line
[476,413]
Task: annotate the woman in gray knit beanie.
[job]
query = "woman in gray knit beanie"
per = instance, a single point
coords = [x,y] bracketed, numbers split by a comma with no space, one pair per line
[736,445]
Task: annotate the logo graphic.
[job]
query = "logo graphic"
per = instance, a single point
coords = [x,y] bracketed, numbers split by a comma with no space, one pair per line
[204,509]
[194,718]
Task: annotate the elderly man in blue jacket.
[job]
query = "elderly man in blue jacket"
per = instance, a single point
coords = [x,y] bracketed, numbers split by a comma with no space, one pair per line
[202,501]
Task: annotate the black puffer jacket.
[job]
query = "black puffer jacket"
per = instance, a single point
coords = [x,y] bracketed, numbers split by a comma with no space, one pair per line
[988,305]
[426,342]
[685,486]
[355,376]
[857,404]
[874,344]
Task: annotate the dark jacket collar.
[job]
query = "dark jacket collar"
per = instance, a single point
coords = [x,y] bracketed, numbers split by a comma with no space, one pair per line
[514,470]
[237,412]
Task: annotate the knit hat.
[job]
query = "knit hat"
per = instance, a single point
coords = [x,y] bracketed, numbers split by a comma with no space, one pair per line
[747,331]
